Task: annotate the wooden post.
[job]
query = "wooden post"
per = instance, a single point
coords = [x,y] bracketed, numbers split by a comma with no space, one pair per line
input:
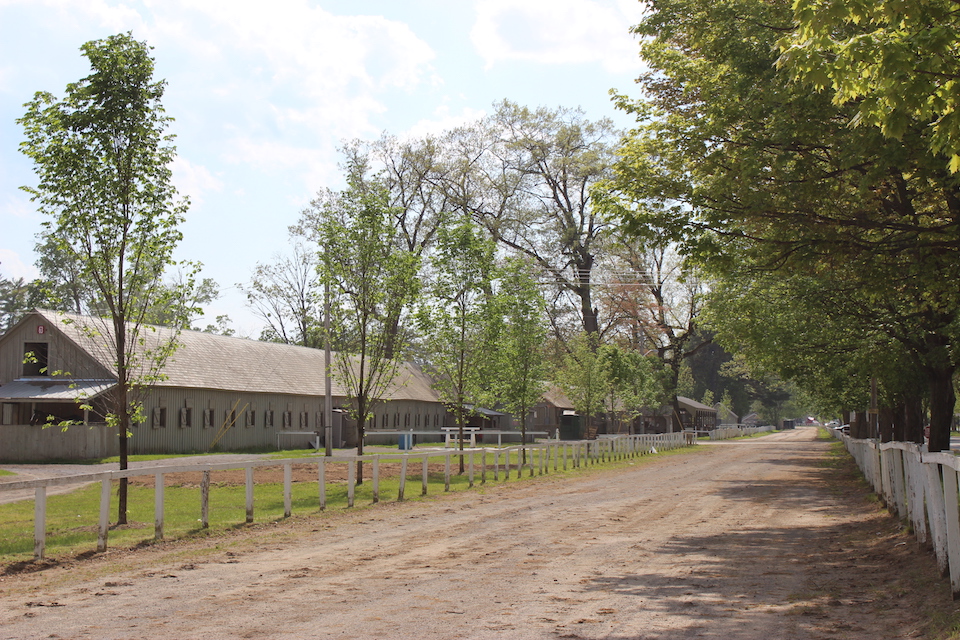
[105,486]
[351,482]
[424,475]
[287,490]
[953,527]
[496,465]
[403,478]
[158,506]
[376,479]
[205,500]
[249,494]
[39,522]
[483,466]
[322,483]
[936,509]
[446,473]
[470,470]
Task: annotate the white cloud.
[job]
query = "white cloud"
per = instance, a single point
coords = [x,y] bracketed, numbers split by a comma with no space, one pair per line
[558,32]
[193,179]
[442,121]
[316,167]
[12,266]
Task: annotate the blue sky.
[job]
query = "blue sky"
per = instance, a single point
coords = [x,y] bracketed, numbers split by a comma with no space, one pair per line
[263,94]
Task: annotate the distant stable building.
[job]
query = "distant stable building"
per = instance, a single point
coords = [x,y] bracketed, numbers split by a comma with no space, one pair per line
[693,415]
[237,393]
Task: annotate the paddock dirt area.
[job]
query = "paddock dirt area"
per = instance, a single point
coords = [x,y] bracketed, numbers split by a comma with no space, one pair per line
[759,539]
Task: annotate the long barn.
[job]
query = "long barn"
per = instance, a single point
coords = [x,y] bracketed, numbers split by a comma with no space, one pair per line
[235,393]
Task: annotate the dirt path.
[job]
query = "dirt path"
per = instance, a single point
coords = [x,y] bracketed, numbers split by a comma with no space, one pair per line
[748,540]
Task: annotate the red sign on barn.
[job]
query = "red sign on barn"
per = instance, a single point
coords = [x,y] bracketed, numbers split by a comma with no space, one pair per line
[41,329]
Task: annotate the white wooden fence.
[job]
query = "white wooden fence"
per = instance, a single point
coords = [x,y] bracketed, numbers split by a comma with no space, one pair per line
[737,431]
[920,487]
[539,458]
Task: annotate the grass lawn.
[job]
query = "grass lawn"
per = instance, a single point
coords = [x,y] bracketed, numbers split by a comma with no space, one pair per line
[72,518]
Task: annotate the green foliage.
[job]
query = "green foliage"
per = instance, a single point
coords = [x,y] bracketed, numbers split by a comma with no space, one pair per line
[755,174]
[372,282]
[103,163]
[458,319]
[521,364]
[896,60]
[585,376]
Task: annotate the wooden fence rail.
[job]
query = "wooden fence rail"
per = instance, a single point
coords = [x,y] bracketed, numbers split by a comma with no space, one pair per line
[920,487]
[538,458]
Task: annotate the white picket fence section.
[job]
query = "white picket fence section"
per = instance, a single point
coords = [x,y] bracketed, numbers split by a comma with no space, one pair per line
[920,487]
[737,431]
[539,458]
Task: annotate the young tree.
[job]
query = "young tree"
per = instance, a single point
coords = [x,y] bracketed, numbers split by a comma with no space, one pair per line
[584,376]
[521,361]
[457,320]
[372,282]
[103,163]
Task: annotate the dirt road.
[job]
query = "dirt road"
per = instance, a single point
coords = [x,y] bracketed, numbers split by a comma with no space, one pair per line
[747,539]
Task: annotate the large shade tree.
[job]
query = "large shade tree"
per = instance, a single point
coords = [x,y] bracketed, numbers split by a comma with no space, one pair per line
[748,168]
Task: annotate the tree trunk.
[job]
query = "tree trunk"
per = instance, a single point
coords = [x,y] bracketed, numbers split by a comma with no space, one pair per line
[886,424]
[942,402]
[122,489]
[913,419]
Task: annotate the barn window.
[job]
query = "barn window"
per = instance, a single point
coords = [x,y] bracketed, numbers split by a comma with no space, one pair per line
[251,418]
[268,418]
[304,420]
[208,418]
[186,417]
[35,359]
[287,419]
[159,418]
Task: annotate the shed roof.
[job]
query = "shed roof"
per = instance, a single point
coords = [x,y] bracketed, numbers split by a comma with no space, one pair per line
[53,389]
[209,361]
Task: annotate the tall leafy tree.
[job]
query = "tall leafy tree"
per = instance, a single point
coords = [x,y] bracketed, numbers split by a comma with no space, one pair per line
[103,158]
[749,168]
[521,368]
[897,61]
[526,175]
[372,283]
[458,321]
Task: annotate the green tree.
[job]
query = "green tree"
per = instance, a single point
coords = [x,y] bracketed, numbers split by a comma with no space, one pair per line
[372,283]
[103,163]
[584,376]
[526,175]
[521,367]
[458,322]
[17,297]
[897,61]
[748,168]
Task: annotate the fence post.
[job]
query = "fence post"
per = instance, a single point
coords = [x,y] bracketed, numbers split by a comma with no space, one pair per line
[403,478]
[39,522]
[105,486]
[496,465]
[249,494]
[158,506]
[953,527]
[936,509]
[483,466]
[351,482]
[322,483]
[446,473]
[424,475]
[470,472]
[287,490]
[376,479]
[205,500]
